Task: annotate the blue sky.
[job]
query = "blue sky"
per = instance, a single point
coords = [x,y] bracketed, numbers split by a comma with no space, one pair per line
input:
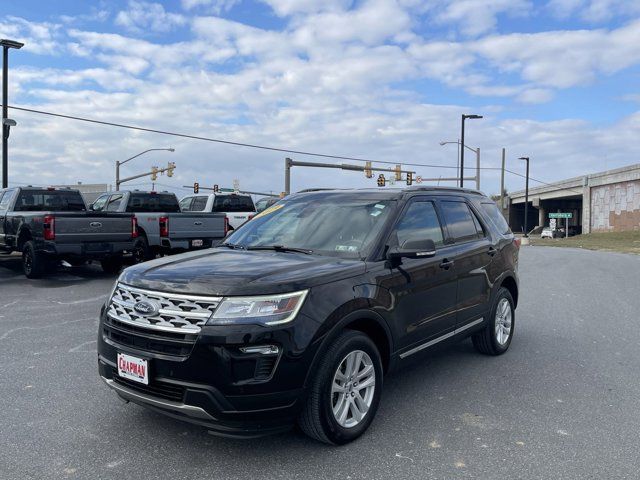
[556,80]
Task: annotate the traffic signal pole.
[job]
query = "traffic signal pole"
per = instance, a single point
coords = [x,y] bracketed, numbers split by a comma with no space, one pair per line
[288,163]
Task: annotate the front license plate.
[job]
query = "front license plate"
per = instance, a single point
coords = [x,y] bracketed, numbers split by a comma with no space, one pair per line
[196,243]
[133,368]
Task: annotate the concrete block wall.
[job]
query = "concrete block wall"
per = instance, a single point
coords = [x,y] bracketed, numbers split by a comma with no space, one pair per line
[615,207]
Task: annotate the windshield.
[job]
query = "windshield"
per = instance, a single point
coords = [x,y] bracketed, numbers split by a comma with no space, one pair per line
[338,226]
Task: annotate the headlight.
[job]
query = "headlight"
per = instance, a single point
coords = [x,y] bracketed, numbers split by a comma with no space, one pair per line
[262,310]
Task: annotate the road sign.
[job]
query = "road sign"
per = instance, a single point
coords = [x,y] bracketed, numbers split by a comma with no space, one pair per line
[561,215]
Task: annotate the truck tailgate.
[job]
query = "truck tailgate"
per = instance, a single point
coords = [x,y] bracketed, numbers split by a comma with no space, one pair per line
[92,227]
[196,225]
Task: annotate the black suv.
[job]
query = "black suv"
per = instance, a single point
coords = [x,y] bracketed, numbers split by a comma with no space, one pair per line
[301,312]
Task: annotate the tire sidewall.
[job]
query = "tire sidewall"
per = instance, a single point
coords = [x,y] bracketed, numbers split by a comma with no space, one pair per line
[142,246]
[502,293]
[334,431]
[36,269]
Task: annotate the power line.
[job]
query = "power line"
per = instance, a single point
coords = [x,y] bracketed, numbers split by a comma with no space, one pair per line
[251,145]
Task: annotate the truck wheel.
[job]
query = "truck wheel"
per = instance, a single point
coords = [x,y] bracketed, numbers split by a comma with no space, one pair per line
[345,392]
[141,250]
[111,265]
[33,262]
[496,336]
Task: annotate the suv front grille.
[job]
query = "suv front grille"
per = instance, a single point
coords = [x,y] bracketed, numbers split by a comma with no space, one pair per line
[168,312]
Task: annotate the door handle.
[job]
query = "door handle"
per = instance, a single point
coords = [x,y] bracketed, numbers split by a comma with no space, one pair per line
[492,251]
[446,264]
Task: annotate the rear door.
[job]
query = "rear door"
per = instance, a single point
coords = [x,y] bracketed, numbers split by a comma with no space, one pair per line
[472,253]
[424,289]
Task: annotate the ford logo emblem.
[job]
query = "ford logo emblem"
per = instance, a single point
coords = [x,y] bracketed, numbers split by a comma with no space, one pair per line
[95,225]
[146,308]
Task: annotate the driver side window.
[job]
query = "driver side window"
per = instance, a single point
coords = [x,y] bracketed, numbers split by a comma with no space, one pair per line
[420,222]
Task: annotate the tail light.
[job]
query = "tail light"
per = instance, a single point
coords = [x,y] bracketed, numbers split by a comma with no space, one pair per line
[49,226]
[134,227]
[164,226]
[226,225]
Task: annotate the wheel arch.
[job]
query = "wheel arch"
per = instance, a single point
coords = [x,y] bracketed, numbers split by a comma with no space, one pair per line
[24,235]
[509,282]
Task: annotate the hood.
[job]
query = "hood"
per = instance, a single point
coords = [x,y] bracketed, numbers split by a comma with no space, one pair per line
[219,271]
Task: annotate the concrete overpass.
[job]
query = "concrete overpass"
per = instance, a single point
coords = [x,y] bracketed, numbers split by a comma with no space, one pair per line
[604,201]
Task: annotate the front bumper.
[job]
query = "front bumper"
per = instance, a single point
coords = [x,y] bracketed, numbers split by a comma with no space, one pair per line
[209,381]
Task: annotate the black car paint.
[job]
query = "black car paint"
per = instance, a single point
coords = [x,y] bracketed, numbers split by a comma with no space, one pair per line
[398,305]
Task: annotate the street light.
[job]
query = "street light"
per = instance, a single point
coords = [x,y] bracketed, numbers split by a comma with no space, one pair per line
[119,163]
[474,150]
[526,198]
[6,45]
[464,117]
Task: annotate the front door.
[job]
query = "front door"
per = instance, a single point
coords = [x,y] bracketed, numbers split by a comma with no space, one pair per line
[423,290]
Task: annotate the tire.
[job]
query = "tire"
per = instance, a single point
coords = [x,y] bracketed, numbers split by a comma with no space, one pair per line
[317,419]
[494,339]
[34,263]
[141,250]
[111,265]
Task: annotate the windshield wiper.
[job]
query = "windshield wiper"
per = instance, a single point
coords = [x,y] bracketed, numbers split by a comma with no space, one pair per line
[280,248]
[233,246]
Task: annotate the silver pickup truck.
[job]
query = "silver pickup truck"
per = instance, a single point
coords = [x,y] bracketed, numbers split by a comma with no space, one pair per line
[49,225]
[162,227]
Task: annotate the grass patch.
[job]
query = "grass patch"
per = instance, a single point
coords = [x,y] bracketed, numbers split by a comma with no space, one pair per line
[624,242]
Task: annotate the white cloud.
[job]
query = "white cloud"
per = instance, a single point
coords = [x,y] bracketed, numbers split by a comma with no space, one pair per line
[535,95]
[212,6]
[285,8]
[144,16]
[593,10]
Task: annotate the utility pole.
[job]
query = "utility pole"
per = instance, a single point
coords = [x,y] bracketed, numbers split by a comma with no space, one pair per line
[504,152]
[119,163]
[478,168]
[6,122]
[464,117]
[287,175]
[526,199]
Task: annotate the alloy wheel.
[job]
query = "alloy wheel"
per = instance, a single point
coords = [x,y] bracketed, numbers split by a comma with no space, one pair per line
[503,321]
[353,388]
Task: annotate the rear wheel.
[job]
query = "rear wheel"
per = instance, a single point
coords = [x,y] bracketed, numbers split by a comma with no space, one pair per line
[496,337]
[34,263]
[141,250]
[111,264]
[345,392]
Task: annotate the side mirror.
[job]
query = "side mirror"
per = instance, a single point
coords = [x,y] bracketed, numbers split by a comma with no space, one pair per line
[413,249]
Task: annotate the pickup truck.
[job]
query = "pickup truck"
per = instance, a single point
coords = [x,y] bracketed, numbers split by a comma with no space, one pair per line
[49,225]
[237,207]
[162,228]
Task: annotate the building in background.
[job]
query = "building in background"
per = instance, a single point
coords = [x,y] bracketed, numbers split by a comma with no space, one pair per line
[600,202]
[89,191]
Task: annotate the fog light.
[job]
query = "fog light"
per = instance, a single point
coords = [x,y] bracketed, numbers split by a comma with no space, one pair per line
[261,349]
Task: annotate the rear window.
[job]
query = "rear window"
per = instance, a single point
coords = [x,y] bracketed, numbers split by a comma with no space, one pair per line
[233,203]
[152,203]
[198,205]
[58,200]
[493,212]
[460,222]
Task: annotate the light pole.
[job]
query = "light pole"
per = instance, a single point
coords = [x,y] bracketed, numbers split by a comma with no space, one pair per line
[526,198]
[119,163]
[464,117]
[6,122]
[474,150]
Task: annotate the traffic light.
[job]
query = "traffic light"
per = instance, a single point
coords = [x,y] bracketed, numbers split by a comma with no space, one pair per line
[367,170]
[154,173]
[409,178]
[216,189]
[170,169]
[196,187]
[398,172]
[381,180]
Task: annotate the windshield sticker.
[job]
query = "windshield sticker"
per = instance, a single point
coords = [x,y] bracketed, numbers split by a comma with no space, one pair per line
[379,205]
[269,210]
[375,213]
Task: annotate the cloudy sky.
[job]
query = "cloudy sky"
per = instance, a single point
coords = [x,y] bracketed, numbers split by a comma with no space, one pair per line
[556,80]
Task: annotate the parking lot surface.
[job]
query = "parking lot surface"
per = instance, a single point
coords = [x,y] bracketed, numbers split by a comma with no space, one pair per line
[561,403]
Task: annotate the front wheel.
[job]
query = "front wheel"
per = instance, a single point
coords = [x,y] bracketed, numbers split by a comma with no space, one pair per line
[345,392]
[496,337]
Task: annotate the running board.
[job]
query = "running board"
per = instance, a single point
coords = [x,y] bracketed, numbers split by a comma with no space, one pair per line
[441,338]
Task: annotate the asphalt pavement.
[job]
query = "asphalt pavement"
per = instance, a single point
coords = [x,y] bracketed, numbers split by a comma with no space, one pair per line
[562,403]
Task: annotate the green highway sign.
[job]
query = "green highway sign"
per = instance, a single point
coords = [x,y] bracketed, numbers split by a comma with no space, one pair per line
[561,215]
